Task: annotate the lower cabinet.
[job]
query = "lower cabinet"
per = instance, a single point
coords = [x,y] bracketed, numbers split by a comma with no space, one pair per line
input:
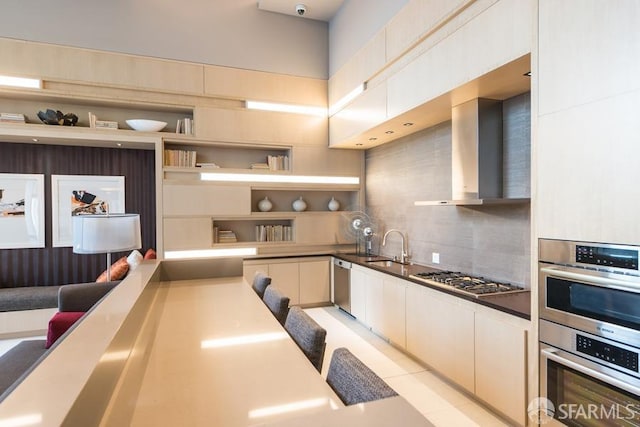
[440,332]
[304,280]
[480,349]
[500,360]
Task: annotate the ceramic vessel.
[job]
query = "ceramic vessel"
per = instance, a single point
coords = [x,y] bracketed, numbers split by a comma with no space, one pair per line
[299,205]
[334,205]
[265,205]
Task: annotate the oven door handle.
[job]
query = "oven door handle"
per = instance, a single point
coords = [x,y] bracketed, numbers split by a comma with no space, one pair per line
[551,353]
[590,278]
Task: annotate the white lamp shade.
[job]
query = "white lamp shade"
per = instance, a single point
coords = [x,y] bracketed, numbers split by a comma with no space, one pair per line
[98,234]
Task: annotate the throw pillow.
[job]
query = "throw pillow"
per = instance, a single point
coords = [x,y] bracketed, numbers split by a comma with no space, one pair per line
[150,254]
[134,259]
[119,269]
[59,323]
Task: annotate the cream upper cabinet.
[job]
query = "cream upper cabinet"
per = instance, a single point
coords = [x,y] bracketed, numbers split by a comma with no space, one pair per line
[500,362]
[587,123]
[255,126]
[366,112]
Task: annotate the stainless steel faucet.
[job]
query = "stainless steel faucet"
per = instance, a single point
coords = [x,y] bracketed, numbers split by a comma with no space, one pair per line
[404,257]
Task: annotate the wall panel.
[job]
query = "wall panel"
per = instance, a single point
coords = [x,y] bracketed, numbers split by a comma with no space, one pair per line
[57,266]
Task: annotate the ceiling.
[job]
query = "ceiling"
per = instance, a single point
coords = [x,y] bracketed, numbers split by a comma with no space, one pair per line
[321,10]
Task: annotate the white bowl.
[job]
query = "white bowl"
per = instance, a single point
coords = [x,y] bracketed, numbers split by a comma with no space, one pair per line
[144,125]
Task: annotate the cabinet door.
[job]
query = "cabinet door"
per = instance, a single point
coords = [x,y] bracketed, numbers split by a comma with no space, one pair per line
[250,270]
[451,332]
[315,282]
[374,303]
[419,340]
[393,315]
[206,199]
[186,233]
[500,360]
[285,276]
[358,294]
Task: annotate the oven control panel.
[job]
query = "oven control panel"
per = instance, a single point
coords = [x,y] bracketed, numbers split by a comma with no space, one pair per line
[607,256]
[607,352]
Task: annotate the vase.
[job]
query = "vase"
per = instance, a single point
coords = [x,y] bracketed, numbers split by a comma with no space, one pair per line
[334,205]
[265,205]
[299,205]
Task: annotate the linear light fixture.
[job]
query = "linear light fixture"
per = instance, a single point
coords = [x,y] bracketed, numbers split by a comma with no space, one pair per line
[291,179]
[287,108]
[210,253]
[20,82]
[342,102]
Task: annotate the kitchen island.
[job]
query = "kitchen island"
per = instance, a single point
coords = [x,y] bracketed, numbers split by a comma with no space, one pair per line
[205,351]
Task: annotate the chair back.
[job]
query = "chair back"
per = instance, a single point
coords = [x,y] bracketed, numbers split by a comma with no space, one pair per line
[277,302]
[309,336]
[353,381]
[260,283]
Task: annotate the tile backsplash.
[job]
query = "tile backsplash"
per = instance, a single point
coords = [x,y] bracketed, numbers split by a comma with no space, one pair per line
[491,241]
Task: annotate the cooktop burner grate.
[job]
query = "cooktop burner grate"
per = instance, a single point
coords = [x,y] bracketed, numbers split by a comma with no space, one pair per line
[470,285]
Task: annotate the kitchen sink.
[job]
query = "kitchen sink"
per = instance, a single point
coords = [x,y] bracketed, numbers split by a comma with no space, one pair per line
[383,263]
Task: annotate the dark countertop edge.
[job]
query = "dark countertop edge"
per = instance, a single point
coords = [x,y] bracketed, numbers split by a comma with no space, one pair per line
[518,305]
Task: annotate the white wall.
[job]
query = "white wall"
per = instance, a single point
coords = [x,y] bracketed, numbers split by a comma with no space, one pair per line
[229,33]
[354,25]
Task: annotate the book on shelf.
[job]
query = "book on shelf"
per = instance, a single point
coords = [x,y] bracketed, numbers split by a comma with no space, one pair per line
[277,163]
[274,233]
[180,158]
[12,118]
[226,236]
[264,166]
[185,126]
[94,123]
[207,165]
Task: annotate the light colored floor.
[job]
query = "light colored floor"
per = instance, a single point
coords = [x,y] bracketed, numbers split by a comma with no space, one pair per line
[438,401]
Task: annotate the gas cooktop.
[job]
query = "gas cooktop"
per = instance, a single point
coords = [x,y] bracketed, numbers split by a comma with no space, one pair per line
[463,283]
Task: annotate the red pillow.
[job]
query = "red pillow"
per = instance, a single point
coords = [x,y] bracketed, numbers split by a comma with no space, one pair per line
[150,254]
[59,323]
[119,269]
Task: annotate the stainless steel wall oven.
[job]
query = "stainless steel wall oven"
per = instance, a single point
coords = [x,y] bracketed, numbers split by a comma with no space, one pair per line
[589,304]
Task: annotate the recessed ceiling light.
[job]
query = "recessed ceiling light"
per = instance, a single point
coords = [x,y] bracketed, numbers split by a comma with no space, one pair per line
[35,139]
[373,139]
[389,132]
[359,144]
[119,144]
[407,124]
[528,74]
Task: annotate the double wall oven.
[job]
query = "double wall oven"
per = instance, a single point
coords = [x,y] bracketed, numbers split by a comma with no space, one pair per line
[589,333]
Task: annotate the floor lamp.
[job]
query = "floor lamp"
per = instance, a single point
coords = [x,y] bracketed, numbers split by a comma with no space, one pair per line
[98,234]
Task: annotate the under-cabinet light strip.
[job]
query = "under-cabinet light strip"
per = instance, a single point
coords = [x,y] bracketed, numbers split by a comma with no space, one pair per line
[292,179]
[287,108]
[20,82]
[210,253]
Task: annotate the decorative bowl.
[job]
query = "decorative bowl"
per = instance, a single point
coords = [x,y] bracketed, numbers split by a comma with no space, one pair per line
[144,125]
[57,117]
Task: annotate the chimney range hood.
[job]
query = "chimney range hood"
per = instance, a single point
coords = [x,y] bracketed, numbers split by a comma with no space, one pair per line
[476,155]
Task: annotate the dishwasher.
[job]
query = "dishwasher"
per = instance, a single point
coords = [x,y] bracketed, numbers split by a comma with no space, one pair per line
[342,284]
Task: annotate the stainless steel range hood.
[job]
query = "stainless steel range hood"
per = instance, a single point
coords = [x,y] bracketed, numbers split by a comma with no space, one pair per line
[476,154]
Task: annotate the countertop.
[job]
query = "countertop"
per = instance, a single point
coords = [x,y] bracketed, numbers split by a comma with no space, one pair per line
[517,304]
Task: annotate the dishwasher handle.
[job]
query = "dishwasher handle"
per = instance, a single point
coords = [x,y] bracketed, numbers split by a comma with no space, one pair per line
[342,263]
